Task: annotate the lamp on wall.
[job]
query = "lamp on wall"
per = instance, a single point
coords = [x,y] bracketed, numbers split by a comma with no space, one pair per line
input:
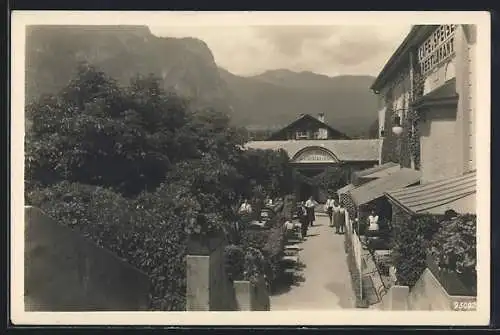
[397,129]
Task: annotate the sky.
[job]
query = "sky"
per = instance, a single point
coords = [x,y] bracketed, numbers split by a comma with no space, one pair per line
[328,50]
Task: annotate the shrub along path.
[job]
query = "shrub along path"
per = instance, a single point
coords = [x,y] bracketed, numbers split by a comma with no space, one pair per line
[326,282]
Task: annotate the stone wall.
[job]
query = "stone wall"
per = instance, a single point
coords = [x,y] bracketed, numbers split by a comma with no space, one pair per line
[427,294]
[65,272]
[208,286]
[251,297]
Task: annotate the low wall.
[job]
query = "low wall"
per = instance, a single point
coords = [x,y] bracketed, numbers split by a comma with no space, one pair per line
[427,294]
[354,261]
[66,272]
[251,297]
[208,287]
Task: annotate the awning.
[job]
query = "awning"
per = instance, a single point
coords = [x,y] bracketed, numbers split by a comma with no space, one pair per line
[456,193]
[382,173]
[345,189]
[363,176]
[375,169]
[375,189]
[443,95]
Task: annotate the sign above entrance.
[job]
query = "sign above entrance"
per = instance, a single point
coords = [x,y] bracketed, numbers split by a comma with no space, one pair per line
[315,155]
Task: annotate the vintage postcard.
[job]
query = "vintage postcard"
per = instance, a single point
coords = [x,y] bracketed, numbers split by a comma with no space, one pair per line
[313,168]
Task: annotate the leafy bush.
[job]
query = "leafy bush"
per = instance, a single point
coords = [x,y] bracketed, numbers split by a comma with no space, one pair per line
[267,173]
[411,236]
[454,244]
[289,207]
[234,256]
[254,266]
[274,249]
[270,242]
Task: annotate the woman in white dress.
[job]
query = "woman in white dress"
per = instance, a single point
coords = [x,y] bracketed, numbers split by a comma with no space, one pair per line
[341,219]
[373,223]
[336,216]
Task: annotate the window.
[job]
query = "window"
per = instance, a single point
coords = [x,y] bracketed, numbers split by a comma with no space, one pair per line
[301,135]
[437,48]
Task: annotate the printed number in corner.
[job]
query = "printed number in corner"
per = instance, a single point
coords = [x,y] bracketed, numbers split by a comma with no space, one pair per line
[464,305]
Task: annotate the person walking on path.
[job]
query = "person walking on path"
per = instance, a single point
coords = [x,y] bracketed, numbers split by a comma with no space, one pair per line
[310,205]
[336,216]
[341,219]
[302,214]
[329,209]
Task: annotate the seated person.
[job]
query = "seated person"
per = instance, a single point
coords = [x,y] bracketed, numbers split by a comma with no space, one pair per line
[245,208]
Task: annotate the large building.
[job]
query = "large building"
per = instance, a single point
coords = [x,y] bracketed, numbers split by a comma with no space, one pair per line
[313,146]
[430,82]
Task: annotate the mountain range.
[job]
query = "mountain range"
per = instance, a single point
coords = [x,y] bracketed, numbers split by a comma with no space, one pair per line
[187,66]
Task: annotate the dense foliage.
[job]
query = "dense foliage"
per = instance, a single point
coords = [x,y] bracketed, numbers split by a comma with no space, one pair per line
[267,171]
[270,242]
[410,238]
[136,171]
[454,244]
[451,242]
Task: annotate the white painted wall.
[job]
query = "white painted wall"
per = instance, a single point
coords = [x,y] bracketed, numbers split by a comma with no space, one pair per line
[438,145]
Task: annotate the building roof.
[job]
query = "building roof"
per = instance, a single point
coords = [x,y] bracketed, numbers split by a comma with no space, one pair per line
[375,189]
[375,169]
[343,150]
[309,118]
[364,176]
[399,58]
[345,189]
[456,193]
[446,93]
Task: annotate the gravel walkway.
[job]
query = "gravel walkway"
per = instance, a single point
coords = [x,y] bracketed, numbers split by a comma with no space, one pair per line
[325,282]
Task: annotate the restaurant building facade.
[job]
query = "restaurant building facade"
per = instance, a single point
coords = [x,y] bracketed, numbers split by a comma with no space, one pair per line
[313,147]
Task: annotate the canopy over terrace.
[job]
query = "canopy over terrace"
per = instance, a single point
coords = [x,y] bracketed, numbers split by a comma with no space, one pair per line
[363,176]
[456,194]
[366,194]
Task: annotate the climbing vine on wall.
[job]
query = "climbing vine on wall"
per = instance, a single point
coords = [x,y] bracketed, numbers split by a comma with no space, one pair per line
[389,146]
[406,148]
[413,115]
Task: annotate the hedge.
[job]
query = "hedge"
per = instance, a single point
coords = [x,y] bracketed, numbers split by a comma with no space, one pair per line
[145,232]
[270,242]
[451,241]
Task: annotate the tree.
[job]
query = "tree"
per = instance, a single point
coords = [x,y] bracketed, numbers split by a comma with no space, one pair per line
[94,132]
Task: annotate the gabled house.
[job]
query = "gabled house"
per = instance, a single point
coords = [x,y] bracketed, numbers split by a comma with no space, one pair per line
[307,127]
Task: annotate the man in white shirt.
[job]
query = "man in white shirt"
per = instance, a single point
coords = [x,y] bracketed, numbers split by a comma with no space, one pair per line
[310,205]
[245,208]
[329,209]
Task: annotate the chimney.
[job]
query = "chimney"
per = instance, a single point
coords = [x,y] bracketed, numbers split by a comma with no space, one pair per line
[321,117]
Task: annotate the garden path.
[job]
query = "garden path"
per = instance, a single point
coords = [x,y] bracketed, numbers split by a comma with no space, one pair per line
[326,282]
